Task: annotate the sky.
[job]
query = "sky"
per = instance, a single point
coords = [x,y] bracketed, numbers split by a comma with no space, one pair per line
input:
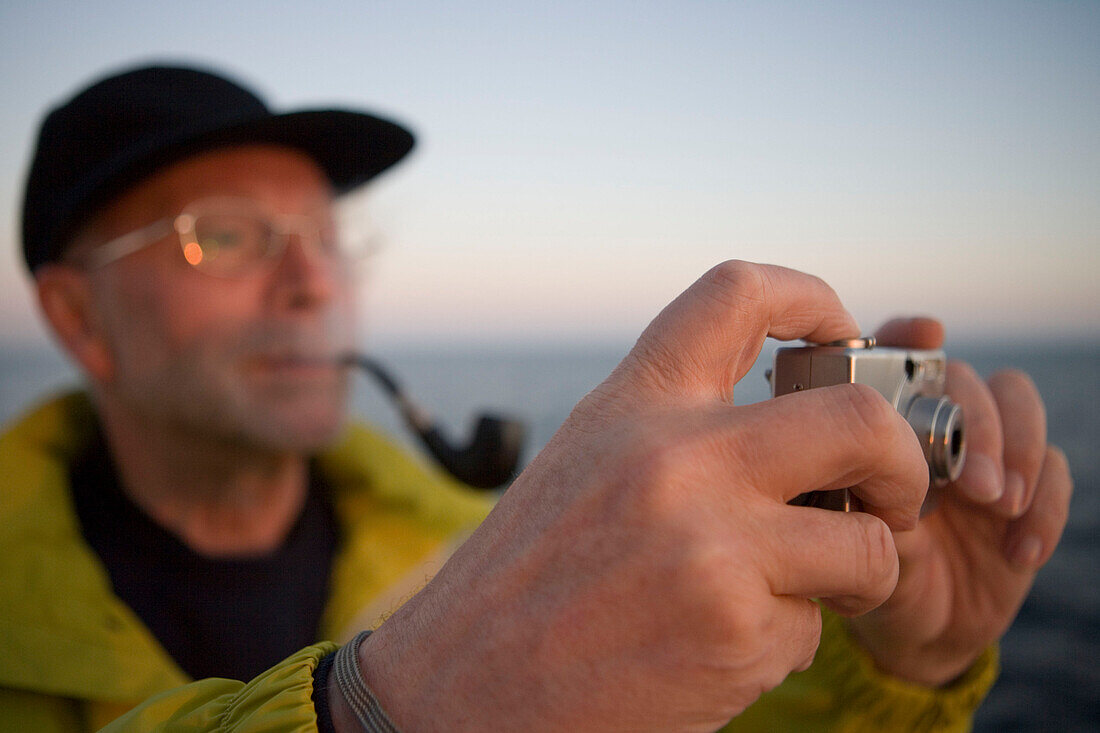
[580,163]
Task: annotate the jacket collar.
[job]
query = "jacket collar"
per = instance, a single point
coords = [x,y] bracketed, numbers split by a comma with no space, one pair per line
[64,632]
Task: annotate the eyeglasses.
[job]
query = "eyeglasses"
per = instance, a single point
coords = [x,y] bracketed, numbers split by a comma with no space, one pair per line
[228,237]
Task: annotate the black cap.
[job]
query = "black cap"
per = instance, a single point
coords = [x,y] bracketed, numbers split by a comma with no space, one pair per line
[123,128]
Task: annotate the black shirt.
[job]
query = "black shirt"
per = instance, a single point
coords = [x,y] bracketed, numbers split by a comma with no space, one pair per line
[216,617]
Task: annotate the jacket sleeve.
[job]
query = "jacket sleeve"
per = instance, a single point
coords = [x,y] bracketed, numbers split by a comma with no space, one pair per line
[278,699]
[843,691]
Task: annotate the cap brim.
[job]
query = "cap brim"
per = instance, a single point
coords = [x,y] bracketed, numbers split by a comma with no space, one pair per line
[351,147]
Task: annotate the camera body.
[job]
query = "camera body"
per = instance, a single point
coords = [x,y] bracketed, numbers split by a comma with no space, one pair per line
[912,380]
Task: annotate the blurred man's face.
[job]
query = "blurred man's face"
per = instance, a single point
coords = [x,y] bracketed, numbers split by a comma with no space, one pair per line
[248,358]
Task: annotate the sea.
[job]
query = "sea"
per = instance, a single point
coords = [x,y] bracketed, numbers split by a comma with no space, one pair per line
[1051,654]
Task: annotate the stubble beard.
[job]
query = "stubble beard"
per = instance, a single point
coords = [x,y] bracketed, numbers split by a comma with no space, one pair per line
[221,389]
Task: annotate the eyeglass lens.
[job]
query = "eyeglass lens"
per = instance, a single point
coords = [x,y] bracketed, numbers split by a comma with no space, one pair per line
[232,242]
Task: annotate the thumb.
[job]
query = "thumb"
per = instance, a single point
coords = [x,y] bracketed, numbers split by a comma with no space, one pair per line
[703,342]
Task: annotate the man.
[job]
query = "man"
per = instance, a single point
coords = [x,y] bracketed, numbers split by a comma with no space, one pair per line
[193,519]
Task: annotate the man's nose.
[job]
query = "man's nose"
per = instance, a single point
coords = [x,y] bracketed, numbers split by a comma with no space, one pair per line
[305,277]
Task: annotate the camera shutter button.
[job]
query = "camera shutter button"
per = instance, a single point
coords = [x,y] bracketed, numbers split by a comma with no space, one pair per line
[865,342]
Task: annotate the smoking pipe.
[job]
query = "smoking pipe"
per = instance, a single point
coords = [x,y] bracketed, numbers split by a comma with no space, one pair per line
[488,460]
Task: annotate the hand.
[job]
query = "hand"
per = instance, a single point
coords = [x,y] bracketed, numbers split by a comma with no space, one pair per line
[645,571]
[967,567]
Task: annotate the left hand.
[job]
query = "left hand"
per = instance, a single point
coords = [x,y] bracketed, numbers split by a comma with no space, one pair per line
[969,564]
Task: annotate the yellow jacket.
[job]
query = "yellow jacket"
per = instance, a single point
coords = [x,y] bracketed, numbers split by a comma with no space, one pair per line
[74,657]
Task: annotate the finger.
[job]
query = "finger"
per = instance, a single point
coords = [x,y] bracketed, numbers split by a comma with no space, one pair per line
[912,333]
[982,478]
[779,638]
[708,338]
[827,438]
[847,559]
[1032,538]
[801,619]
[1023,418]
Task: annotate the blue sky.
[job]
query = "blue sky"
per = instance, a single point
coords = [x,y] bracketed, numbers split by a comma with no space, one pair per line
[581,163]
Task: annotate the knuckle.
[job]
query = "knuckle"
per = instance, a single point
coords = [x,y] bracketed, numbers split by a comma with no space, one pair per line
[655,467]
[869,415]
[707,572]
[737,624]
[657,458]
[1013,380]
[1016,393]
[1056,471]
[774,677]
[812,640]
[961,372]
[721,609]
[735,273]
[1056,459]
[877,557]
[739,282]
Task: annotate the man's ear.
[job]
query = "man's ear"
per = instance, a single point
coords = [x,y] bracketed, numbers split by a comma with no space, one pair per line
[65,296]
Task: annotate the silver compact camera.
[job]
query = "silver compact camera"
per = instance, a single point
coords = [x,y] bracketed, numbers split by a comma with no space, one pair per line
[912,380]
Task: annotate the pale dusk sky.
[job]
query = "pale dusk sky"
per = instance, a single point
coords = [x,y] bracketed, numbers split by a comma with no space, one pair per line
[580,163]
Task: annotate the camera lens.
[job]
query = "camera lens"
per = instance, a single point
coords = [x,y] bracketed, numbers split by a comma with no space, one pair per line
[957,444]
[938,423]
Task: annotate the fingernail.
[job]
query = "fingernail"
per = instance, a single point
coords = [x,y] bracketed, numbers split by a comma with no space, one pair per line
[980,479]
[1027,551]
[1014,492]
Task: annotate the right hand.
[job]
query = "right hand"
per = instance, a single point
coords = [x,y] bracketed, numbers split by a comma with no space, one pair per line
[645,571]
